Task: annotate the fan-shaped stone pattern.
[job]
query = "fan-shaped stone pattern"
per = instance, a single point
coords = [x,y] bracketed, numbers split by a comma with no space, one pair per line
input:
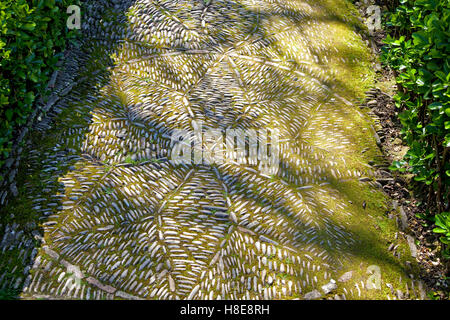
[123,222]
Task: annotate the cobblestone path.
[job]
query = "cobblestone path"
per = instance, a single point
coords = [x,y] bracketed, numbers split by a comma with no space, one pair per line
[103,214]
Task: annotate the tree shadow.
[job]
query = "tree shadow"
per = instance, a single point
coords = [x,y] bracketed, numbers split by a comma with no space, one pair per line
[107,99]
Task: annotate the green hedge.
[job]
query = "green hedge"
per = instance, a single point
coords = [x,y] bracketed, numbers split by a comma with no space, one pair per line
[418,49]
[33,35]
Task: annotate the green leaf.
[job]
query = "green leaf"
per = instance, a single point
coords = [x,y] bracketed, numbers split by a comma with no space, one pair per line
[439,230]
[29,26]
[420,38]
[29,98]
[435,106]
[9,114]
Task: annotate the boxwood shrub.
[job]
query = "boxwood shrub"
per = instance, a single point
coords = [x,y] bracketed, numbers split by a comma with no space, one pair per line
[33,35]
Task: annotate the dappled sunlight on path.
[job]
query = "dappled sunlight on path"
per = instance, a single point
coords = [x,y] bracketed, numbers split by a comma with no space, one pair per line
[119,220]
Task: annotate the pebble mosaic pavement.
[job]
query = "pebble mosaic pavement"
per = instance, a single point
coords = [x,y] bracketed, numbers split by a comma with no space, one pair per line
[117,220]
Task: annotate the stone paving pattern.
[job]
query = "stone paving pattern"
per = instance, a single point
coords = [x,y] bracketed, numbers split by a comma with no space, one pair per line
[102,213]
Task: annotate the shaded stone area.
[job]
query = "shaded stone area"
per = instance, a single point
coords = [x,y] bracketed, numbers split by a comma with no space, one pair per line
[103,214]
